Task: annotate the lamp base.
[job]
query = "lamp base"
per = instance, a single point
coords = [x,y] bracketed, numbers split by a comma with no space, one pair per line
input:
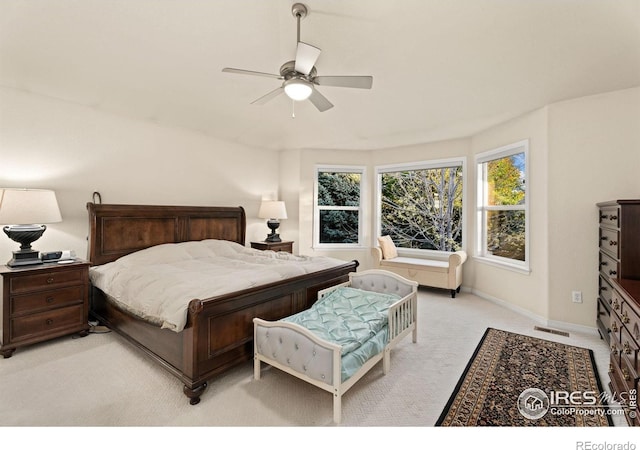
[273,225]
[273,237]
[24,258]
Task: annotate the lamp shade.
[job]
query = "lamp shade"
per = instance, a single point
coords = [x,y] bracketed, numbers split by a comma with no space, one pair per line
[28,206]
[272,209]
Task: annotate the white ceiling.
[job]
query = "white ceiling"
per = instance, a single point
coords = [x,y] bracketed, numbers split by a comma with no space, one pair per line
[441,68]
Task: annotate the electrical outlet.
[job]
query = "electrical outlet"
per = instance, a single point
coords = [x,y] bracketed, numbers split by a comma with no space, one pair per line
[576,296]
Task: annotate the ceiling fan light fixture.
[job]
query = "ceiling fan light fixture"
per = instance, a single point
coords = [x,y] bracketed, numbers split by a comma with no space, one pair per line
[298,89]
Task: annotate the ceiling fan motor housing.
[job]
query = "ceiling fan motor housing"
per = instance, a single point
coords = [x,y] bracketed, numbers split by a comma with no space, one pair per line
[288,71]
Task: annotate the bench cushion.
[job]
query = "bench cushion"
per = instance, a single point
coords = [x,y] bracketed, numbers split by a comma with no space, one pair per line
[416,264]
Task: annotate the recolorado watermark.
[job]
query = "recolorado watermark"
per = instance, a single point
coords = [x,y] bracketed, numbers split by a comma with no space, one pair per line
[589,445]
[534,403]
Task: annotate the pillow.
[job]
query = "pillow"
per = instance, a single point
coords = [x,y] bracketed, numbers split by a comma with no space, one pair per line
[388,248]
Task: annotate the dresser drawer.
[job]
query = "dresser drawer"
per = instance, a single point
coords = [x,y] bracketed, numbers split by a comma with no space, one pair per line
[47,280]
[48,322]
[610,216]
[606,290]
[609,266]
[43,300]
[629,349]
[616,303]
[631,320]
[615,326]
[609,242]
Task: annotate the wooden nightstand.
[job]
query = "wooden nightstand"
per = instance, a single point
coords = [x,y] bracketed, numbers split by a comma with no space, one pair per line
[284,246]
[38,303]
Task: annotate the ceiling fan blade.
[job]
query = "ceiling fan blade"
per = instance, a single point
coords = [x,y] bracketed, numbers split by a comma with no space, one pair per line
[360,82]
[306,57]
[320,101]
[271,95]
[250,72]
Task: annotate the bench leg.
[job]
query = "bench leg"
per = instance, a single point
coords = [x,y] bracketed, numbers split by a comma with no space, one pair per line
[453,293]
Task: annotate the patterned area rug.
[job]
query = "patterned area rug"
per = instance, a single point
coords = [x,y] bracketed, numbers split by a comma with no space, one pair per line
[517,380]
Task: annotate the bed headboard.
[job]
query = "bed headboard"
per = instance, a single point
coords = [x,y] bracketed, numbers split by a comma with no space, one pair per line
[117,230]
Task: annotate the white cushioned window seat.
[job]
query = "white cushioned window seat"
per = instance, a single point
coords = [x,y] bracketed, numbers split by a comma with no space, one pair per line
[439,272]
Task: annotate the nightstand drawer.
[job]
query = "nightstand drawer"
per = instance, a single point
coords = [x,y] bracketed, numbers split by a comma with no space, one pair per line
[43,300]
[47,322]
[46,280]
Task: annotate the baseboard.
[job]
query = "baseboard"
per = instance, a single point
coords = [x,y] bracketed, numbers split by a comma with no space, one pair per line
[556,324]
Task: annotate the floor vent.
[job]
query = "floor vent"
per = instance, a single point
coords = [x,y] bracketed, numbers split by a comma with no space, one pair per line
[552,331]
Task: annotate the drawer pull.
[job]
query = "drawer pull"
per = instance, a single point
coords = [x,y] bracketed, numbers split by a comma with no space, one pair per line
[610,367]
[616,305]
[603,288]
[49,280]
[50,299]
[613,349]
[613,272]
[625,317]
[612,217]
[614,327]
[613,242]
[604,263]
[49,321]
[627,348]
[625,374]
[603,238]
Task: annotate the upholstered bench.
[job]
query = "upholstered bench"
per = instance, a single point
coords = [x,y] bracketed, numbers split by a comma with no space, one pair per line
[444,273]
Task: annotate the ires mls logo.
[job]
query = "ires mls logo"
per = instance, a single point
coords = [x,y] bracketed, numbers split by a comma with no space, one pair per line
[534,403]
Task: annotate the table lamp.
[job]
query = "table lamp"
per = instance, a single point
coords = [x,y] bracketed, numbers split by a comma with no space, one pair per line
[272,210]
[26,210]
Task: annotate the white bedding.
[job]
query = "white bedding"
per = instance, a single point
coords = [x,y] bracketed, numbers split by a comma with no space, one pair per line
[158,283]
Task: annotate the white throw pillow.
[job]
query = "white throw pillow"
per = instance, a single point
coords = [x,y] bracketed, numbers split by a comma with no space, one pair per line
[389,250]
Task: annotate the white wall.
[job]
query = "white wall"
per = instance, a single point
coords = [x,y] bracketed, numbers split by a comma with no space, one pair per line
[47,143]
[594,156]
[522,291]
[582,151]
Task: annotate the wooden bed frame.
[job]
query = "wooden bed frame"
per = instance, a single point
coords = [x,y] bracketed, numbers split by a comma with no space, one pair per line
[219,330]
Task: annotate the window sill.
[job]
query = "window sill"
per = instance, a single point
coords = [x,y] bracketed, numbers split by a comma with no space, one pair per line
[503,265]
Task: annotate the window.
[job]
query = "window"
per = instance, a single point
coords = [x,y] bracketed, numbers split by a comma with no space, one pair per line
[421,205]
[502,205]
[338,206]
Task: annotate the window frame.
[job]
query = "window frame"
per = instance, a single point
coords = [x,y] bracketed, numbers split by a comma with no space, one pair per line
[481,252]
[362,170]
[420,165]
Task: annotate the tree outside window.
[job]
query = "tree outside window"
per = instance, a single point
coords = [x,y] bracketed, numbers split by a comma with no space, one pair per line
[502,204]
[421,207]
[338,206]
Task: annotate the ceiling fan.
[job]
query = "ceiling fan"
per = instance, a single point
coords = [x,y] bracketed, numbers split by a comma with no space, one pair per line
[300,75]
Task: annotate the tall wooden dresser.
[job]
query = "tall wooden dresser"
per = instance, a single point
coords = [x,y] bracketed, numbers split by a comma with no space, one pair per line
[618,313]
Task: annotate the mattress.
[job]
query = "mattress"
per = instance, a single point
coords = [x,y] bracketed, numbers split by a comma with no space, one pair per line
[352,318]
[157,283]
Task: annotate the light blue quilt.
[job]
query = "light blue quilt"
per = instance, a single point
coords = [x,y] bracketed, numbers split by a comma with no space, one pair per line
[352,318]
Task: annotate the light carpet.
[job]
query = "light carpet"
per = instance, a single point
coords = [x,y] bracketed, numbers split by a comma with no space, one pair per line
[101,380]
